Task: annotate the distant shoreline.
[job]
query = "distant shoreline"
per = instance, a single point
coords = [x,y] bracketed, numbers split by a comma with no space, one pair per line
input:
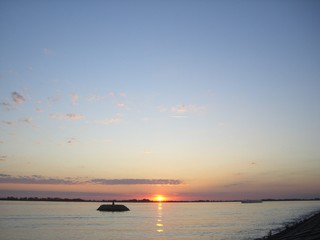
[56,199]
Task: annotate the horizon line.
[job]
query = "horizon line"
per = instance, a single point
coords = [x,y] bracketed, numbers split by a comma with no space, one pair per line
[144,200]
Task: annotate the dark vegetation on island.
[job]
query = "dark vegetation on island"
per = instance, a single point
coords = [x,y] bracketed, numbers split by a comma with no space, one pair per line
[113,208]
[57,199]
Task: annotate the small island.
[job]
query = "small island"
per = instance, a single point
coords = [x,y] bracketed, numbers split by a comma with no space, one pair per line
[113,208]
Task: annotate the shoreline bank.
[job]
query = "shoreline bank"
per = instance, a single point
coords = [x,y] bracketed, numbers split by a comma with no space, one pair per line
[306,229]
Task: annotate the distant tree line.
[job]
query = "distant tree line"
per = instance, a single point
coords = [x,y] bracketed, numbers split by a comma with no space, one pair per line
[54,199]
[57,199]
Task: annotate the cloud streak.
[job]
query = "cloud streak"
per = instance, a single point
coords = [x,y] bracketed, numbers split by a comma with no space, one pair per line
[182,109]
[109,121]
[36,179]
[27,120]
[128,181]
[8,122]
[68,116]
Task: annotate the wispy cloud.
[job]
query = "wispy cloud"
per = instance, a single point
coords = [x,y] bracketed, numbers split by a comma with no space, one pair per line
[182,109]
[17,98]
[163,109]
[6,106]
[72,140]
[47,51]
[237,184]
[53,99]
[74,98]
[147,152]
[37,179]
[121,105]
[111,94]
[8,122]
[136,181]
[3,158]
[68,116]
[178,116]
[27,120]
[109,121]
[73,116]
[94,98]
[34,179]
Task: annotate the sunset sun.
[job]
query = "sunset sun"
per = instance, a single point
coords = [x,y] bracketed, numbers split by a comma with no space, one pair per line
[159,198]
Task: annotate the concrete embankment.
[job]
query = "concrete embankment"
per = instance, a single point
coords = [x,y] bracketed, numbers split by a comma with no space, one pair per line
[308,229]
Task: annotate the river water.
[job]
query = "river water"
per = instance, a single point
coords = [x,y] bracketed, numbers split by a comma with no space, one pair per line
[215,221]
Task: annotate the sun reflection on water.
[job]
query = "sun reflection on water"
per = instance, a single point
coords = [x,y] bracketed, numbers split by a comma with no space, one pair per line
[159,222]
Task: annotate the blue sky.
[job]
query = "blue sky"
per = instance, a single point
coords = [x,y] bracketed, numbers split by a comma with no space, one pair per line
[221,97]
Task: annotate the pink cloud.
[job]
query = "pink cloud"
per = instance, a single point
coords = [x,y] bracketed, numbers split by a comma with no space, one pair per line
[180,109]
[74,98]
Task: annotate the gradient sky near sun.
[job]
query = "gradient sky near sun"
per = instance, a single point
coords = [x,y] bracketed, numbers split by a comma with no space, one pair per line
[185,99]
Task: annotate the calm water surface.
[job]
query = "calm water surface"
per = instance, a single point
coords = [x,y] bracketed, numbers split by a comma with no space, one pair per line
[216,221]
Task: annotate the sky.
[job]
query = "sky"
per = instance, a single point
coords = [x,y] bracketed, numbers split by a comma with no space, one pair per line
[213,100]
